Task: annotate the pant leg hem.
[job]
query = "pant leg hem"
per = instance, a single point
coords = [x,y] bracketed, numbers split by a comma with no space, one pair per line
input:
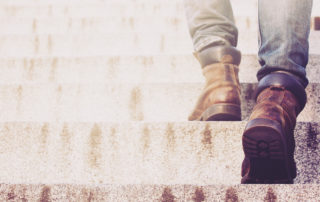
[210,40]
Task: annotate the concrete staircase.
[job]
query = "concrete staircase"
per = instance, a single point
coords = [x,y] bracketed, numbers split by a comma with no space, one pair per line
[95,96]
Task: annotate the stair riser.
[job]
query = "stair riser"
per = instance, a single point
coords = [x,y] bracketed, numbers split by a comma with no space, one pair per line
[115,102]
[87,10]
[117,44]
[78,25]
[105,25]
[99,8]
[126,69]
[146,193]
[137,153]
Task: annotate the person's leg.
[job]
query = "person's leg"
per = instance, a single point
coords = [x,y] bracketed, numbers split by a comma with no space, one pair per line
[214,35]
[211,22]
[284,28]
[268,139]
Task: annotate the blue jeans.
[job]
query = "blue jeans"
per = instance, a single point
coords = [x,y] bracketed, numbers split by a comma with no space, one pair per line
[284,27]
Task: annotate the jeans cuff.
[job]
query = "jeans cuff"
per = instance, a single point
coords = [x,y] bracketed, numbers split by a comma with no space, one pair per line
[210,40]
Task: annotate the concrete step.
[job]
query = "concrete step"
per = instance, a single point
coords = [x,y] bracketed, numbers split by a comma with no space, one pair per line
[124,68]
[117,44]
[80,25]
[93,2]
[63,25]
[163,193]
[119,102]
[92,11]
[93,44]
[108,16]
[125,23]
[99,8]
[195,153]
[113,8]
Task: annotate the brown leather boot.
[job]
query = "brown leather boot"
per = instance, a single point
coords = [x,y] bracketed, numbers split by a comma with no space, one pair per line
[268,139]
[220,98]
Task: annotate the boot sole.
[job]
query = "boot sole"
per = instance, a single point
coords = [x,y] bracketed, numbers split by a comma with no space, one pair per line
[265,146]
[222,112]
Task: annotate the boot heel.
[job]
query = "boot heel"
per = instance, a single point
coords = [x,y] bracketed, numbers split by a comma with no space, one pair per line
[264,146]
[222,112]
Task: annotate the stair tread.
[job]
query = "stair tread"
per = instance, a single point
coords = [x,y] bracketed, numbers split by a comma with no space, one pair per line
[165,193]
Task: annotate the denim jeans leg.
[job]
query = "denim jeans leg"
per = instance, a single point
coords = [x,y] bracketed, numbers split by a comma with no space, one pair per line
[211,22]
[284,27]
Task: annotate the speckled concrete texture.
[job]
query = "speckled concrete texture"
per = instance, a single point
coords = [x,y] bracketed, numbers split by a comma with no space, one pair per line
[138,153]
[136,44]
[82,29]
[75,23]
[119,102]
[159,193]
[124,69]
[97,8]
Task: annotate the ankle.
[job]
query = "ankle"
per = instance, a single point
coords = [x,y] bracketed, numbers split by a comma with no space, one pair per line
[219,54]
[285,82]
